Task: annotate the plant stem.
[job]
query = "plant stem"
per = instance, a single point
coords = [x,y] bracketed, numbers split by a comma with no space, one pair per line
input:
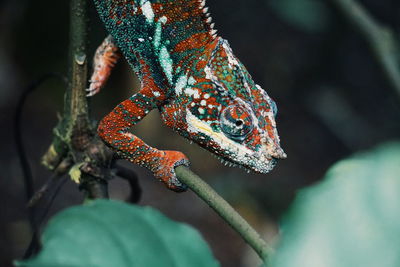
[217,203]
[381,39]
[75,138]
[76,106]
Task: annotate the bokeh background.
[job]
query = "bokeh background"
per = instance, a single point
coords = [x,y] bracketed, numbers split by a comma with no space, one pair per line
[332,98]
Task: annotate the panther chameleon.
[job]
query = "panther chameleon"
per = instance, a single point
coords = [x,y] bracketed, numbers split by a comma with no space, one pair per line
[191,76]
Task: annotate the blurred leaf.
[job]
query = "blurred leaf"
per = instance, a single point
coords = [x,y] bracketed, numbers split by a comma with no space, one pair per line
[114,234]
[350,219]
[307,15]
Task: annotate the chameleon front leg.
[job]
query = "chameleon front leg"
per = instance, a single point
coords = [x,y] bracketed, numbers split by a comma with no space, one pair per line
[105,58]
[113,129]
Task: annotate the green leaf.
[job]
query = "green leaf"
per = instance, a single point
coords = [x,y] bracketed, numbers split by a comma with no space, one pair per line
[350,219]
[307,15]
[114,234]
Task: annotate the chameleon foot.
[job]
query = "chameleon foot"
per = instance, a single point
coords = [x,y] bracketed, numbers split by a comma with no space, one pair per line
[94,88]
[165,169]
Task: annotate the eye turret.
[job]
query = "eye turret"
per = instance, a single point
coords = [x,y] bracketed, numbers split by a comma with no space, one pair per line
[236,122]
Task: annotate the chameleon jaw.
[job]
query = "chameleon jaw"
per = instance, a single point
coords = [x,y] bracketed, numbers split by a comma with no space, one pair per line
[252,163]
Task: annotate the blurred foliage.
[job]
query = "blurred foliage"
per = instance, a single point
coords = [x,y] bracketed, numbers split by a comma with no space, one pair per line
[307,15]
[349,219]
[110,233]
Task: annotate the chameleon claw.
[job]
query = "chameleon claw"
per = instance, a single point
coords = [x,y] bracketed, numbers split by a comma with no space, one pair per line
[93,89]
[90,93]
[165,170]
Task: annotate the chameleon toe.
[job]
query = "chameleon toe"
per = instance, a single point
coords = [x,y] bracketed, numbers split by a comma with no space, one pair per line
[164,169]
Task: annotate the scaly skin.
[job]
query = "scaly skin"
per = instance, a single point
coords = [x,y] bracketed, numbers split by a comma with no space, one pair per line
[191,75]
[107,55]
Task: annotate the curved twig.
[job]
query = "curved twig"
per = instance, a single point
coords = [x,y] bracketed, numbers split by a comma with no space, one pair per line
[26,169]
[217,203]
[131,177]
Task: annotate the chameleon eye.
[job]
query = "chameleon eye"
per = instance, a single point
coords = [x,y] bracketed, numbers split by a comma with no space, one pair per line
[236,122]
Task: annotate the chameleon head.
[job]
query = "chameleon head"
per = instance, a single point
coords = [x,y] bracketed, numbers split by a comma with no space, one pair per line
[232,116]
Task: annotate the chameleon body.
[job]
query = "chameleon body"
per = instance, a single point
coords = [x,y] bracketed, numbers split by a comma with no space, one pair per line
[190,74]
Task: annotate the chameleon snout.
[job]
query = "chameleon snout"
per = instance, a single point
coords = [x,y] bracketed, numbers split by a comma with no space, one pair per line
[278,153]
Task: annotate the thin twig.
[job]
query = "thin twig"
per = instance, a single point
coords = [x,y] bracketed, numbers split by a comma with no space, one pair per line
[61,169]
[131,177]
[217,203]
[26,170]
[39,194]
[60,183]
[33,248]
[381,39]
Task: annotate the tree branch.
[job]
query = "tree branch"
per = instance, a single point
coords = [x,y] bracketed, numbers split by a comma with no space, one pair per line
[381,39]
[219,205]
[75,136]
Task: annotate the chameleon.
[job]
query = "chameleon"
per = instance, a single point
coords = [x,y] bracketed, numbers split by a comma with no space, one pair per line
[190,74]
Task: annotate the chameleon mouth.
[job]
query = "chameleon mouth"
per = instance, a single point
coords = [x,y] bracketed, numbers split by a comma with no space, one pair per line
[255,164]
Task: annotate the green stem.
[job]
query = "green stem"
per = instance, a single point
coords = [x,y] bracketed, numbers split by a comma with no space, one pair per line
[217,203]
[381,39]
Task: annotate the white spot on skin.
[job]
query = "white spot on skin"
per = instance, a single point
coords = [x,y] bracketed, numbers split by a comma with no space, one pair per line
[147,11]
[180,84]
[201,110]
[140,39]
[166,63]
[163,19]
[191,80]
[157,35]
[206,96]
[209,74]
[192,92]
[156,93]
[203,102]
[193,104]
[157,32]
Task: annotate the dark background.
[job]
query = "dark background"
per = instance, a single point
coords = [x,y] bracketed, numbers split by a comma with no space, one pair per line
[332,98]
